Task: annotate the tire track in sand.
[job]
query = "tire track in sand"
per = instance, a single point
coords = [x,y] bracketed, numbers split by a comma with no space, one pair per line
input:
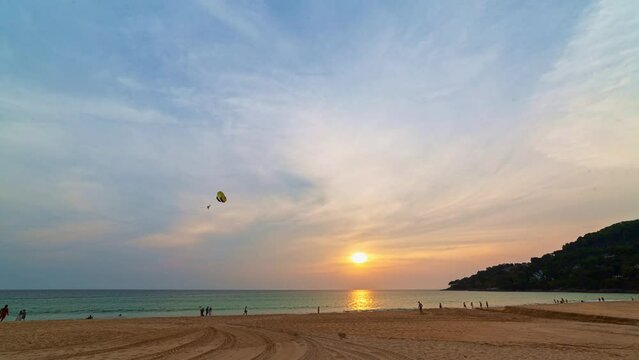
[229,342]
[121,347]
[268,351]
[206,338]
[313,349]
[351,350]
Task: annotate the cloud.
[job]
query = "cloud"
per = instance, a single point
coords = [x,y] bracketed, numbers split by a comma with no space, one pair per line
[586,107]
[29,105]
[434,139]
[68,233]
[198,224]
[242,19]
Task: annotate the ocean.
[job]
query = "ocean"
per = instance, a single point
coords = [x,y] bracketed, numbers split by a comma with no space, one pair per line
[78,304]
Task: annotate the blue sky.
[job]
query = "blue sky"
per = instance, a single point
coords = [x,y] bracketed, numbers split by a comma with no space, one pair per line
[438,137]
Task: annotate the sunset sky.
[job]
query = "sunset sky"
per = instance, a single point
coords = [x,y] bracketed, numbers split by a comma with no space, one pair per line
[437,137]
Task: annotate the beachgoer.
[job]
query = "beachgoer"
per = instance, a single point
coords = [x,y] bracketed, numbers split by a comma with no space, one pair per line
[465,305]
[480,305]
[318,309]
[90,317]
[440,305]
[472,306]
[19,317]
[421,307]
[201,311]
[245,310]
[602,299]
[486,304]
[4,312]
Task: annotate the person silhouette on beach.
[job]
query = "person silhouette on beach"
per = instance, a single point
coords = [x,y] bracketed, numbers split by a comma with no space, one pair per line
[201,311]
[486,304]
[465,305]
[472,306]
[90,317]
[4,312]
[245,310]
[480,305]
[421,307]
[440,305]
[318,309]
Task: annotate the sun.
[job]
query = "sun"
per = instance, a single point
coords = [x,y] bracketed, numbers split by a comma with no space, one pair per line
[359,258]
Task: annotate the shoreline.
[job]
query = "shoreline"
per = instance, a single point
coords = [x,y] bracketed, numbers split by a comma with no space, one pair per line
[58,305]
[389,310]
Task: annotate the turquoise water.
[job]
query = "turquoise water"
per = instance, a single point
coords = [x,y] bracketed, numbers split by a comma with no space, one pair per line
[77,304]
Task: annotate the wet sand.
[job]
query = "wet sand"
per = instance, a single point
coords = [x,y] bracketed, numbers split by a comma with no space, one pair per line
[502,333]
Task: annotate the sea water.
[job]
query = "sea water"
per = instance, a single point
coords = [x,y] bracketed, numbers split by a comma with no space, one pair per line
[78,304]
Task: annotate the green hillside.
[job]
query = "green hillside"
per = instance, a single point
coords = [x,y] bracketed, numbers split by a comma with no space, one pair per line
[604,260]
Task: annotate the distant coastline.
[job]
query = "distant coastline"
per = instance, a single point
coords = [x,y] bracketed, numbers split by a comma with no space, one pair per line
[587,291]
[603,261]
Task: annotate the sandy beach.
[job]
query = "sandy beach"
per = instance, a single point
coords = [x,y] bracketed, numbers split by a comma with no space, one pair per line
[593,331]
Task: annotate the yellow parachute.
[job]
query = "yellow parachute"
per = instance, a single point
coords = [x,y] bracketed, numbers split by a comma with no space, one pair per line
[220,198]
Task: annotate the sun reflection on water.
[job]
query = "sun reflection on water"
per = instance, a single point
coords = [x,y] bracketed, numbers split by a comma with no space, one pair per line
[360,300]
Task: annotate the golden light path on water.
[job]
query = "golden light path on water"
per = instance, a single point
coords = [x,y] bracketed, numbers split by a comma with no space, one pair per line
[360,300]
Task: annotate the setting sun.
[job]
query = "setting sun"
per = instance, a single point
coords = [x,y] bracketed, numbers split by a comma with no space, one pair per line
[359,258]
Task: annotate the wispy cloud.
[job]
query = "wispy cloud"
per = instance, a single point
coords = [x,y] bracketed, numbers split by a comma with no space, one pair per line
[30,105]
[586,105]
[437,140]
[68,233]
[238,17]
